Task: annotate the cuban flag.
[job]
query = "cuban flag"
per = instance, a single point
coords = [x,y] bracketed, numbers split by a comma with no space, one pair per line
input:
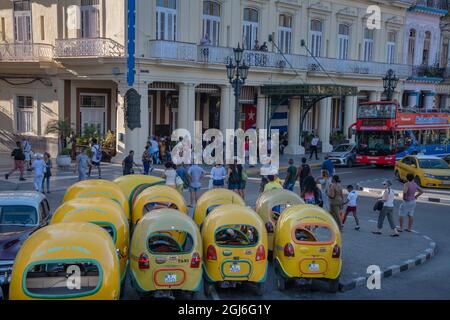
[280,119]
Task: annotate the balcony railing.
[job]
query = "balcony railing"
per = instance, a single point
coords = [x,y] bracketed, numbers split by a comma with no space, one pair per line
[434,4]
[428,72]
[19,52]
[88,47]
[170,50]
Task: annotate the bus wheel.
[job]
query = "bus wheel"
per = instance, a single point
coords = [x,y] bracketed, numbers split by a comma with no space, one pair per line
[397,176]
[417,181]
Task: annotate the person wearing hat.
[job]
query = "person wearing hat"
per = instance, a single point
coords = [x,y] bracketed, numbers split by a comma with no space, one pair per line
[388,198]
[39,172]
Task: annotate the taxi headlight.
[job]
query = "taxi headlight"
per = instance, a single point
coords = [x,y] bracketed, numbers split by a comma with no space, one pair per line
[429,175]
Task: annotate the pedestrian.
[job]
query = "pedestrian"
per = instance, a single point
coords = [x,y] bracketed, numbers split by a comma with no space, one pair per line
[387,198]
[73,141]
[411,192]
[329,166]
[39,171]
[170,175]
[325,182]
[48,172]
[234,177]
[26,147]
[336,199]
[303,171]
[154,150]
[311,193]
[147,160]
[19,158]
[128,163]
[218,175]
[81,165]
[195,175]
[96,158]
[182,173]
[314,147]
[291,176]
[351,203]
[244,178]
[272,184]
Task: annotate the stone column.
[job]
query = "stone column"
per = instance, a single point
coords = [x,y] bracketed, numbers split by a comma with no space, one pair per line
[413,98]
[226,109]
[325,125]
[375,96]
[429,100]
[294,146]
[186,109]
[145,125]
[351,107]
[261,113]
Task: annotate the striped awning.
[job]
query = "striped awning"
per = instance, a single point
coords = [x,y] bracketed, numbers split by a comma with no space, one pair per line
[163,86]
[211,89]
[248,95]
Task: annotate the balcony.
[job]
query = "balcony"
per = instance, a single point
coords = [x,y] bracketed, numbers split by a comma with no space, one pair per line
[89,47]
[170,50]
[429,72]
[19,52]
[439,7]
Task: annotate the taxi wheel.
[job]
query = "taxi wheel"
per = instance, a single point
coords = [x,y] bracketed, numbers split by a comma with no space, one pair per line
[333,285]
[281,283]
[260,289]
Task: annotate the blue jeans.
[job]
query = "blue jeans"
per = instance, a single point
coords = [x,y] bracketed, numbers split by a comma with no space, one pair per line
[146,167]
[46,179]
[289,186]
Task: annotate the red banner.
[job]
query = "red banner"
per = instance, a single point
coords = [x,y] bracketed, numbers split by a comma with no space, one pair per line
[250,116]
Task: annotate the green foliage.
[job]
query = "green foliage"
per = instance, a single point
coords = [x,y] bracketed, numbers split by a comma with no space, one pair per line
[65,152]
[60,127]
[109,141]
[337,138]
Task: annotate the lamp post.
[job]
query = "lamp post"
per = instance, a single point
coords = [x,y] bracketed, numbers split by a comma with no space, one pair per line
[390,82]
[237,73]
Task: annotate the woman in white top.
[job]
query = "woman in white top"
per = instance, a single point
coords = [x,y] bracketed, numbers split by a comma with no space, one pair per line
[388,209]
[170,175]
[324,182]
[218,174]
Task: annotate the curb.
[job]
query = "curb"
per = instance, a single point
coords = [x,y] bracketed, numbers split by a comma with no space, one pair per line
[399,194]
[420,259]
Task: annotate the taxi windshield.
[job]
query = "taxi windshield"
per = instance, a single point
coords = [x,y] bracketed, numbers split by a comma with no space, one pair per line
[159,205]
[433,164]
[18,215]
[170,242]
[313,233]
[236,235]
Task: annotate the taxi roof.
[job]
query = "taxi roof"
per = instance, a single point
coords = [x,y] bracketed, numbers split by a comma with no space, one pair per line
[21,198]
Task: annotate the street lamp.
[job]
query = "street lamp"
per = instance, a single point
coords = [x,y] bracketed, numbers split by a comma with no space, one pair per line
[237,74]
[390,82]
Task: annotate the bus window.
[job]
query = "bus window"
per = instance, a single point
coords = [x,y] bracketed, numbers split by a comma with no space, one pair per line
[375,143]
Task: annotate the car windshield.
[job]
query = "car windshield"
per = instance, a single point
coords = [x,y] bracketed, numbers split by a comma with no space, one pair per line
[170,242]
[236,235]
[343,148]
[18,215]
[433,164]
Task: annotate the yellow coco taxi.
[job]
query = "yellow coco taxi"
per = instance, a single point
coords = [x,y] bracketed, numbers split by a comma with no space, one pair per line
[428,171]
[213,199]
[157,197]
[98,188]
[271,204]
[307,246]
[67,261]
[132,185]
[105,213]
[235,248]
[166,254]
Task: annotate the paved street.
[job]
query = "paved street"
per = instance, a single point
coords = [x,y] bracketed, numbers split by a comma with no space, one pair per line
[361,249]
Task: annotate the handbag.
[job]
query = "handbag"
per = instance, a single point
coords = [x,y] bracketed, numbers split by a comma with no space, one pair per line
[378,205]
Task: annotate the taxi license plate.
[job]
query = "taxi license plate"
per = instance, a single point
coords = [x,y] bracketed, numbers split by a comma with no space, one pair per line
[170,278]
[314,267]
[235,268]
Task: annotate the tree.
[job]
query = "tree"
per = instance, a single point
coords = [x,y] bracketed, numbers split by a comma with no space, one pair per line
[62,128]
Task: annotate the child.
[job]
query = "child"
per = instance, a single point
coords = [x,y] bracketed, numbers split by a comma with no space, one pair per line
[48,172]
[352,198]
[81,165]
[39,171]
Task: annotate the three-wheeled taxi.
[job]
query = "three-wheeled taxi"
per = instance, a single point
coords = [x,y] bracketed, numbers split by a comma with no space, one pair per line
[105,213]
[67,261]
[157,197]
[132,185]
[235,248]
[307,246]
[166,254]
[271,204]
[213,199]
[98,188]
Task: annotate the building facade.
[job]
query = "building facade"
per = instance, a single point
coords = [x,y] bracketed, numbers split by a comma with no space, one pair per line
[67,59]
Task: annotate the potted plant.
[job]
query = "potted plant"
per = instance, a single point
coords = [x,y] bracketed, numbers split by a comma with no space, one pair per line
[62,128]
[109,147]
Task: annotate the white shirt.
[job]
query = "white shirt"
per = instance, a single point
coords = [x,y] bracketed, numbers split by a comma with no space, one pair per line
[351,198]
[315,142]
[39,167]
[96,153]
[218,173]
[26,146]
[171,176]
[389,198]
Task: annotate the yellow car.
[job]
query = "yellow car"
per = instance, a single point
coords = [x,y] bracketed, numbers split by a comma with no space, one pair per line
[235,248]
[67,261]
[166,254]
[307,246]
[132,185]
[428,171]
[105,213]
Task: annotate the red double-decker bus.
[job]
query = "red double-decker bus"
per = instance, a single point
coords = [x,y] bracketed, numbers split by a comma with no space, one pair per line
[385,133]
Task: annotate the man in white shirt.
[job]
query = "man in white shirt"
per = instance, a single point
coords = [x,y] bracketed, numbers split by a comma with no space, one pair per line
[351,203]
[314,147]
[96,158]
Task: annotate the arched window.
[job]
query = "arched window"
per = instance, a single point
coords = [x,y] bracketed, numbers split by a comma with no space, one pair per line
[211,21]
[316,29]
[344,38]
[391,47]
[250,27]
[166,20]
[285,33]
[369,36]
[426,49]
[411,46]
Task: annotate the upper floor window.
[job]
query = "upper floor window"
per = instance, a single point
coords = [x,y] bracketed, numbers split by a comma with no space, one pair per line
[426,48]
[250,28]
[369,36]
[90,18]
[411,46]
[22,21]
[211,22]
[316,37]
[285,33]
[24,114]
[344,39]
[166,20]
[391,46]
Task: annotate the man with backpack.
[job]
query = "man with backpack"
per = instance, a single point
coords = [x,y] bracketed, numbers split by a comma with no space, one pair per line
[19,158]
[303,172]
[96,158]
